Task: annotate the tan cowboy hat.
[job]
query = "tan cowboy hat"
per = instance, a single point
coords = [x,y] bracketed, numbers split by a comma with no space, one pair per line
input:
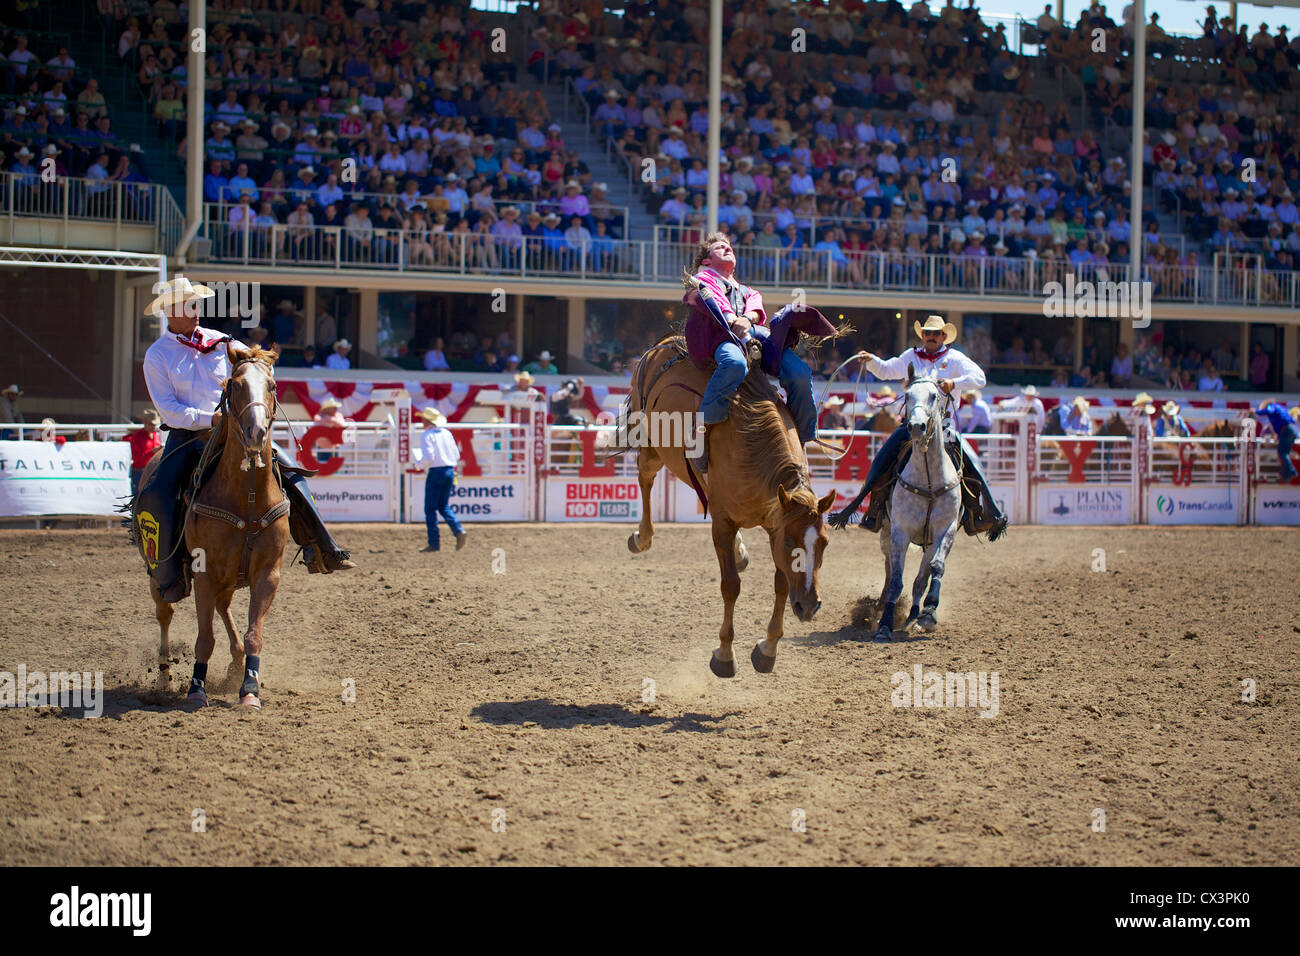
[13,389]
[1081,403]
[177,292]
[972,395]
[887,392]
[1170,408]
[524,378]
[433,417]
[935,323]
[330,403]
[833,402]
[149,415]
[1142,398]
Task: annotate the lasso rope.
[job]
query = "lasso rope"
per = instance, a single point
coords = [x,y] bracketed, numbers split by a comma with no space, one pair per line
[826,390]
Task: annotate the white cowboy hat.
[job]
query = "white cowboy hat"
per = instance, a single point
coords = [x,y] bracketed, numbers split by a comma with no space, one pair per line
[344,343]
[433,417]
[1081,403]
[149,415]
[177,292]
[1029,390]
[524,378]
[14,389]
[935,323]
[833,402]
[545,356]
[1170,408]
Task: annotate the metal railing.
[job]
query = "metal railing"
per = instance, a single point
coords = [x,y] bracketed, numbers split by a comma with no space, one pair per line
[466,252]
[80,199]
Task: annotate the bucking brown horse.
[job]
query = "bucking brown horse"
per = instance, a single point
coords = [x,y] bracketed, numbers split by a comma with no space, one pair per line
[235,529]
[757,477]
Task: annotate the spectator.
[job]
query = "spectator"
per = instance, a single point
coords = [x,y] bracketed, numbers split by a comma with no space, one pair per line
[833,418]
[9,411]
[339,360]
[1027,401]
[1259,366]
[976,417]
[1209,380]
[435,358]
[543,366]
[1121,367]
[1075,419]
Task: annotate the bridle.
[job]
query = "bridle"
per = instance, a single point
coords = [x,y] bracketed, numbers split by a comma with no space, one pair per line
[251,454]
[930,493]
[932,423]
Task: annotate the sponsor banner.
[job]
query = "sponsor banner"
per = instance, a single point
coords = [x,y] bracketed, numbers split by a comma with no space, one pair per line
[1004,493]
[1277,504]
[1198,504]
[475,499]
[1085,504]
[593,499]
[353,499]
[72,478]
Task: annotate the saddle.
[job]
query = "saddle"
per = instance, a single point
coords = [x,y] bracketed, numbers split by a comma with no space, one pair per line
[973,519]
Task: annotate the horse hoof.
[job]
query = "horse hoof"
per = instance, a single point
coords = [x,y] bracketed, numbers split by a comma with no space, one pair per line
[251,700]
[197,699]
[631,544]
[722,668]
[884,635]
[762,663]
[927,623]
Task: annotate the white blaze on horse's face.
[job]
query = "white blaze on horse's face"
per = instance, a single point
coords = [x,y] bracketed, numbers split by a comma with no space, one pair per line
[921,412]
[252,415]
[797,550]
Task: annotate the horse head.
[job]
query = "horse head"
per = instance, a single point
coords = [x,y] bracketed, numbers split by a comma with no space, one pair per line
[921,409]
[798,545]
[249,398]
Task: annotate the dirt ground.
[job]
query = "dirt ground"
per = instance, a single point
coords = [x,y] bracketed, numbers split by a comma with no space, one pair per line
[499,718]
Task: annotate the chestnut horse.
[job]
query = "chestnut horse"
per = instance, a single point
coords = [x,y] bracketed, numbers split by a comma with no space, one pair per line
[235,529]
[757,477]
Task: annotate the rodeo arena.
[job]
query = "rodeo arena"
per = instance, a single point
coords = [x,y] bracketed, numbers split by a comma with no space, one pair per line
[642,433]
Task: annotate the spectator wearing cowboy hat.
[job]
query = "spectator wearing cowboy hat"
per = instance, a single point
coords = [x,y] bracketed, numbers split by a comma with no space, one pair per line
[1027,401]
[330,415]
[144,441]
[522,392]
[1074,417]
[439,455]
[833,417]
[544,365]
[1144,406]
[1287,431]
[339,360]
[9,412]
[1171,422]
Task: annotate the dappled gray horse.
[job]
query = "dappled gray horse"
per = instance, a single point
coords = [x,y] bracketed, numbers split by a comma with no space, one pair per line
[924,509]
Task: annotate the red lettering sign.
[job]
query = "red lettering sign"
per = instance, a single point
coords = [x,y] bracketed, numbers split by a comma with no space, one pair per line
[856,462]
[589,467]
[307,457]
[1076,453]
[464,438]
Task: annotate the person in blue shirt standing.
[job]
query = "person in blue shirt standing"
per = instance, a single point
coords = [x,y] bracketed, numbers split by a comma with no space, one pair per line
[1171,422]
[439,454]
[1286,430]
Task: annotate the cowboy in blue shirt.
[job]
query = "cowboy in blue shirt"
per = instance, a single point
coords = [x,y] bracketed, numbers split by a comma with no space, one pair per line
[1279,419]
[1171,423]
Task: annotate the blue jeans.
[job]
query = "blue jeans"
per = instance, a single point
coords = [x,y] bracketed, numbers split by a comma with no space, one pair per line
[1285,441]
[437,495]
[888,454]
[795,377]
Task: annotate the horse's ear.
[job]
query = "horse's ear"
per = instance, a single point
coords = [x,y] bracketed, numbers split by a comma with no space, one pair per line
[824,505]
[232,354]
[783,497]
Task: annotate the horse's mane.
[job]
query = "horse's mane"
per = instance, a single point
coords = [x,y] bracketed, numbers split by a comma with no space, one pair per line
[764,451]
[253,353]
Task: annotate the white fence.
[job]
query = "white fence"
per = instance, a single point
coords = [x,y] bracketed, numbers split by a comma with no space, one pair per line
[525,470]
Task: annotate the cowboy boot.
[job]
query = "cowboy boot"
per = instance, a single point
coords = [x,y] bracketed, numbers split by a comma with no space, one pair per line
[320,553]
[701,460]
[875,516]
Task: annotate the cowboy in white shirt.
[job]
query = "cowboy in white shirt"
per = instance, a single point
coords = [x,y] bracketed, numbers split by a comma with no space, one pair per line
[956,373]
[339,359]
[184,371]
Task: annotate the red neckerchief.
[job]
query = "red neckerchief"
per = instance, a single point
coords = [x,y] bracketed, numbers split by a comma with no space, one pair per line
[928,356]
[197,343]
